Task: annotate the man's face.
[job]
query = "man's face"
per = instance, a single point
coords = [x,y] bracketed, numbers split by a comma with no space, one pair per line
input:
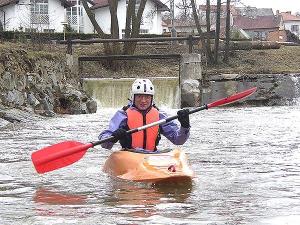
[142,102]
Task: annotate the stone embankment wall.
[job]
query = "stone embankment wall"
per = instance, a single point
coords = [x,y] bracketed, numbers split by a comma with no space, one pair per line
[39,83]
[272,89]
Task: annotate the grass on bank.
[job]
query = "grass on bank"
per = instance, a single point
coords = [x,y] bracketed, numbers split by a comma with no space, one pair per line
[269,61]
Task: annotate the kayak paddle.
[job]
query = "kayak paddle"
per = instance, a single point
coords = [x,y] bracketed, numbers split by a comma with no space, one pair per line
[66,153]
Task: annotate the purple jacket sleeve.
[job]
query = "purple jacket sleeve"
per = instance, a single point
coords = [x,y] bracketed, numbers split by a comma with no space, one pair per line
[177,135]
[117,121]
[171,131]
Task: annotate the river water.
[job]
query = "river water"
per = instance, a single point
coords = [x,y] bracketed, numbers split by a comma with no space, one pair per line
[246,160]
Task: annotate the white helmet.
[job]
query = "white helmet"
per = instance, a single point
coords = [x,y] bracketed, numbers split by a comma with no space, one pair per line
[142,86]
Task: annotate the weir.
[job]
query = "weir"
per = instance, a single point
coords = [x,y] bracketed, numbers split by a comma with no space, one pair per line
[109,92]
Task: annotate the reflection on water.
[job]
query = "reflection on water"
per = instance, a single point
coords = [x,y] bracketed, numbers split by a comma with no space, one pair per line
[143,200]
[46,196]
[246,161]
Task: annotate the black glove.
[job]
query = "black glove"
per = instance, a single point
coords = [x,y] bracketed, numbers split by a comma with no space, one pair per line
[119,134]
[184,118]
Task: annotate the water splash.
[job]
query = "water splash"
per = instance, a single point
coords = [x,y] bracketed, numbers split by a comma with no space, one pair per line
[296,80]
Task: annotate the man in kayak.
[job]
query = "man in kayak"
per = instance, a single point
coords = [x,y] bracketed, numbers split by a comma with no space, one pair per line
[139,112]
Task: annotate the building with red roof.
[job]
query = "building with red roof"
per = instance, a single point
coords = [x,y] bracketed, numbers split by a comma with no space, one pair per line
[290,22]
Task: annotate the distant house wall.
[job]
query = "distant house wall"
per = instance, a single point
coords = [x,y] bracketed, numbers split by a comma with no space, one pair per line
[293,26]
[279,35]
[102,16]
[152,22]
[259,34]
[17,17]
[56,16]
[87,25]
[9,23]
[152,19]
[185,29]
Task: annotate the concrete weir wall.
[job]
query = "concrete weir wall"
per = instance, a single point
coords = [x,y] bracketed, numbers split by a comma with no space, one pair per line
[110,92]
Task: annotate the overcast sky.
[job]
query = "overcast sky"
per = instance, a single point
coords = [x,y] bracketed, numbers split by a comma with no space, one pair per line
[282,5]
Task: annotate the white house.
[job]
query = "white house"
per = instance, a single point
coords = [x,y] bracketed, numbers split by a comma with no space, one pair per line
[291,22]
[151,21]
[33,15]
[50,15]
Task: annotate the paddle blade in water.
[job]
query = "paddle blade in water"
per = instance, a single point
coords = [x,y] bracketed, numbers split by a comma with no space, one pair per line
[58,155]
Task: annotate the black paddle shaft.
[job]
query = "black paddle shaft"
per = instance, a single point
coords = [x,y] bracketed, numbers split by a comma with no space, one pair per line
[111,138]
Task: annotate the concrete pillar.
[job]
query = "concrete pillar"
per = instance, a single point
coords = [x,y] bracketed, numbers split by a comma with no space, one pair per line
[190,80]
[191,67]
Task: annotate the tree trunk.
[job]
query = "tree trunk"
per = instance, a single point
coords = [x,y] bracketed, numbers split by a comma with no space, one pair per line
[227,38]
[129,13]
[98,29]
[217,37]
[208,44]
[114,26]
[196,18]
[129,47]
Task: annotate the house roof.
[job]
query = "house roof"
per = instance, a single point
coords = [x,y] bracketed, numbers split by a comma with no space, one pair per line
[3,3]
[7,2]
[67,3]
[254,12]
[287,16]
[103,3]
[260,22]
[213,9]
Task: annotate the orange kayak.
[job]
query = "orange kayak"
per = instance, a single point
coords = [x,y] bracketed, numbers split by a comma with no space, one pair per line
[161,167]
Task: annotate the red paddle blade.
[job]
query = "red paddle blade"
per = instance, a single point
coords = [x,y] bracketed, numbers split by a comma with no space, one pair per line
[232,98]
[59,155]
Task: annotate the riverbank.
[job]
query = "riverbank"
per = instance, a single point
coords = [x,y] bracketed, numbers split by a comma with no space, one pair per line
[36,78]
[38,82]
[284,60]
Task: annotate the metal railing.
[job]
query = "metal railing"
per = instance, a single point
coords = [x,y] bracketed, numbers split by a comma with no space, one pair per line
[191,40]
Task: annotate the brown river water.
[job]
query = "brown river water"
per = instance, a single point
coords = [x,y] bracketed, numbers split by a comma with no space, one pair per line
[246,160]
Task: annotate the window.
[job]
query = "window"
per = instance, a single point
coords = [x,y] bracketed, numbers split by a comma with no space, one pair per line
[73,13]
[144,31]
[39,12]
[30,30]
[49,30]
[295,28]
[260,35]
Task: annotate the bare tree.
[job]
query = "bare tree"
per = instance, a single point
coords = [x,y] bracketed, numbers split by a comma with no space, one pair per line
[217,36]
[208,45]
[198,25]
[227,35]
[185,7]
[132,27]
[205,42]
[135,20]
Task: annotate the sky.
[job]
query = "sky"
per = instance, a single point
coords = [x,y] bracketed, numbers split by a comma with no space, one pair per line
[282,5]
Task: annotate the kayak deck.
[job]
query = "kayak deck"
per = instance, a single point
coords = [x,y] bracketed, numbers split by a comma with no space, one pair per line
[165,167]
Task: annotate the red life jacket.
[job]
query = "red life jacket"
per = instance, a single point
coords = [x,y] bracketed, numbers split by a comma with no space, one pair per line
[145,139]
